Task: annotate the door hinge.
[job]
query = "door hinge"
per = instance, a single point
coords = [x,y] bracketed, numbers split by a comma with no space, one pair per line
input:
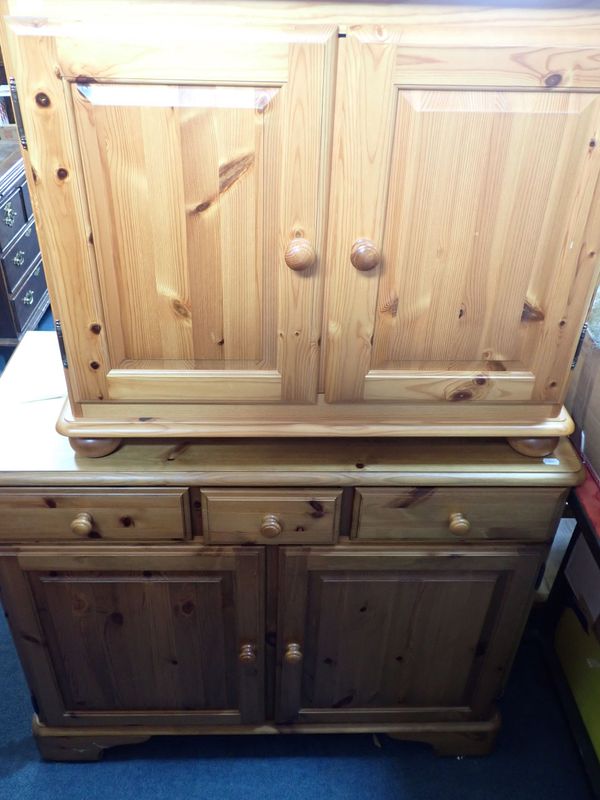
[17,109]
[61,343]
[579,345]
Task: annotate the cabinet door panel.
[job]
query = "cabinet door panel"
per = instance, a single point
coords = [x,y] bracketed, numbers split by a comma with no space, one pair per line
[394,635]
[487,229]
[199,156]
[124,638]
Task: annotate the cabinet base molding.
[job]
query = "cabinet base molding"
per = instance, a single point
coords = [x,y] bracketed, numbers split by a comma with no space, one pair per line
[116,422]
[472,738]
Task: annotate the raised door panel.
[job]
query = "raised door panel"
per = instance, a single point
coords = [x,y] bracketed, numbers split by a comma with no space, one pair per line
[200,156]
[393,635]
[172,637]
[484,207]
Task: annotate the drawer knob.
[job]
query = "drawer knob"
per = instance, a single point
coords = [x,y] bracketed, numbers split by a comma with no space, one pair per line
[293,654]
[300,255]
[458,524]
[248,654]
[28,298]
[83,524]
[270,526]
[19,258]
[364,255]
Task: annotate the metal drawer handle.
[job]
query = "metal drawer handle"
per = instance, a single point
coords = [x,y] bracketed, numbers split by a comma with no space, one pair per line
[28,299]
[10,215]
[19,258]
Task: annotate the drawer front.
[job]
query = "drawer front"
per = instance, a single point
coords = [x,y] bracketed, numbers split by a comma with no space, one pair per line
[29,296]
[275,516]
[134,514]
[12,217]
[20,256]
[429,512]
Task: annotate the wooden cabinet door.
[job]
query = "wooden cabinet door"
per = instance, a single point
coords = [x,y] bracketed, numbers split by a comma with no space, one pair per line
[161,637]
[390,635]
[471,171]
[182,172]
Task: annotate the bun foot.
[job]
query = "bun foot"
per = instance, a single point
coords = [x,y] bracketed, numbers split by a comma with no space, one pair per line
[94,448]
[534,447]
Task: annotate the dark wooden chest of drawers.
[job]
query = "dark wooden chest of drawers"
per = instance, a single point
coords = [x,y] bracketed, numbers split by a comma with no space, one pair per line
[23,292]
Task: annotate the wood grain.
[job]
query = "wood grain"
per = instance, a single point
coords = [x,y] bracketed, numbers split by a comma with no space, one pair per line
[30,515]
[420,512]
[234,516]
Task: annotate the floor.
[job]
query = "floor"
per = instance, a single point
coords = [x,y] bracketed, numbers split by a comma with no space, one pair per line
[535,757]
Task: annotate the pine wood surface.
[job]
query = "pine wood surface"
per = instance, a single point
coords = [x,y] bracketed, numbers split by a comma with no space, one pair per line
[479,270]
[425,513]
[34,454]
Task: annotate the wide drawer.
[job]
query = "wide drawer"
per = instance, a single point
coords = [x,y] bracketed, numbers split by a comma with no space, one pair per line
[452,513]
[29,296]
[126,515]
[20,256]
[12,217]
[270,516]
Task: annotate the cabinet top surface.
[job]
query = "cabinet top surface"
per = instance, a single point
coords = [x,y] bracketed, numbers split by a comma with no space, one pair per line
[32,392]
[565,19]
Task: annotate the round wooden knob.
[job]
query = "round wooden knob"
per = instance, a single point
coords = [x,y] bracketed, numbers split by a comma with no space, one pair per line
[83,524]
[459,525]
[247,654]
[293,654]
[364,255]
[270,526]
[300,254]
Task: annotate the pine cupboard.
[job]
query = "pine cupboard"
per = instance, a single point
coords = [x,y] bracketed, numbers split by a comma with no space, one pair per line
[313,218]
[349,585]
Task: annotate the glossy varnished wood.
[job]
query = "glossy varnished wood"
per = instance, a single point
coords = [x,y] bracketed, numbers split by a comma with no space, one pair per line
[379,635]
[147,635]
[458,513]
[413,244]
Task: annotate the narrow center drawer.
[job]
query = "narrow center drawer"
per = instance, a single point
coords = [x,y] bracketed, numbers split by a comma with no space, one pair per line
[132,514]
[451,513]
[270,516]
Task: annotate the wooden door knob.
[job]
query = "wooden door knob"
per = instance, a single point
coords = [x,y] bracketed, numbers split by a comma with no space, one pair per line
[271,526]
[83,524]
[364,255]
[300,255]
[458,524]
[293,654]
[247,654]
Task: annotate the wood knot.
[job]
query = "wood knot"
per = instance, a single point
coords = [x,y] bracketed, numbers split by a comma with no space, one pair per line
[552,80]
[181,309]
[461,394]
[531,313]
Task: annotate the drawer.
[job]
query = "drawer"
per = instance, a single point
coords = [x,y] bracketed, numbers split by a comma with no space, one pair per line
[20,256]
[27,200]
[429,512]
[270,516]
[12,217]
[29,296]
[132,514]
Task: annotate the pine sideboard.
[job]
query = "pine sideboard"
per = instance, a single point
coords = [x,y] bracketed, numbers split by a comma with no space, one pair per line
[312,219]
[222,586]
